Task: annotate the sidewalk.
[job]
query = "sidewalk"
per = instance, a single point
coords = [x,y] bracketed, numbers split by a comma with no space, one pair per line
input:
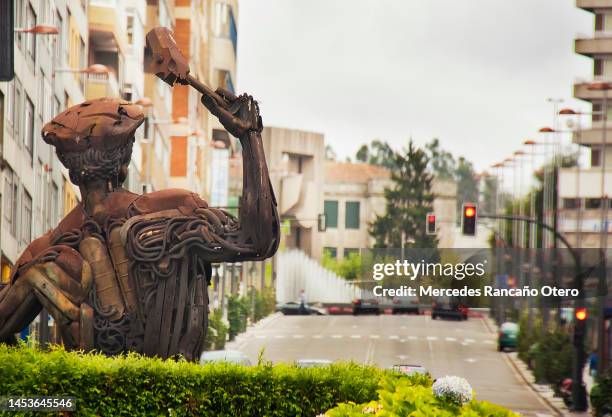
[543,391]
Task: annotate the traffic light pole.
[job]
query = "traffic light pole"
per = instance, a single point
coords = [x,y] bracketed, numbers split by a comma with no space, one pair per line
[579,397]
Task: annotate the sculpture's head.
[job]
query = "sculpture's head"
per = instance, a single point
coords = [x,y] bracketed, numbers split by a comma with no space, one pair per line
[93,140]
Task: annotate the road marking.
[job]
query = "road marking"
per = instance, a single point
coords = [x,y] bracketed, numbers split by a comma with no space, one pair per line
[374,336]
[413,338]
[298,336]
[402,340]
[543,415]
[471,360]
[336,336]
[260,336]
[469,340]
[451,339]
[280,336]
[355,336]
[432,338]
[393,337]
[317,336]
[488,342]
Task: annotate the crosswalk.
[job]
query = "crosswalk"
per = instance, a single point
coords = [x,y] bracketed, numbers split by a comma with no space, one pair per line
[392,337]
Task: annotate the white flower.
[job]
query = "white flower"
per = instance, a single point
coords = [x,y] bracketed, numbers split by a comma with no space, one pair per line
[453,389]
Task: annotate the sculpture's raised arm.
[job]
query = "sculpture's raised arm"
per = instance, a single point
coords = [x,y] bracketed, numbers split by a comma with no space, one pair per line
[258,232]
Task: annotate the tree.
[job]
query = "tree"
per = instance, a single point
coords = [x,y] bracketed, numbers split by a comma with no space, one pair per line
[409,200]
[467,185]
[377,153]
[441,162]
[330,154]
[363,154]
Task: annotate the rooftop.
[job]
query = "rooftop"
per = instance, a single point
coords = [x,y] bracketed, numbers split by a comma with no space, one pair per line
[354,172]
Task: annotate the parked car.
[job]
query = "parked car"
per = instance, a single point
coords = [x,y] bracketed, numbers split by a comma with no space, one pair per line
[507,336]
[405,305]
[293,309]
[410,369]
[449,307]
[365,305]
[230,356]
[313,363]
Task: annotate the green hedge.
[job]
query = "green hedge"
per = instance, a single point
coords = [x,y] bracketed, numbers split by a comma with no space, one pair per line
[217,331]
[601,395]
[414,397]
[133,385]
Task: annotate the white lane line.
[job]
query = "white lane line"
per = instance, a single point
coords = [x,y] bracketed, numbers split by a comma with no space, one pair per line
[413,338]
[451,339]
[317,336]
[336,336]
[432,338]
[374,336]
[402,340]
[355,336]
[280,336]
[488,342]
[298,336]
[393,337]
[260,336]
[469,340]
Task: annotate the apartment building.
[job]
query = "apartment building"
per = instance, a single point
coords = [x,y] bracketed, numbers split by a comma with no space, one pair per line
[35,188]
[580,189]
[354,196]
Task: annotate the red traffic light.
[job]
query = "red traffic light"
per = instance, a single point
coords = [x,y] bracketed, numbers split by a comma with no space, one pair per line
[431,218]
[470,211]
[431,224]
[581,314]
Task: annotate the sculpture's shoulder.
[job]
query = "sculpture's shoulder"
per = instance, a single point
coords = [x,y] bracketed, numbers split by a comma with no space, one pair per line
[173,198]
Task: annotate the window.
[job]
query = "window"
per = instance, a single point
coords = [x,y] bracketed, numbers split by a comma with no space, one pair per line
[130,29]
[17,108]
[31,38]
[331,252]
[58,41]
[351,217]
[10,102]
[592,203]
[350,251]
[54,204]
[1,118]
[595,157]
[222,19]
[20,22]
[571,203]
[28,137]
[330,208]
[11,189]
[26,218]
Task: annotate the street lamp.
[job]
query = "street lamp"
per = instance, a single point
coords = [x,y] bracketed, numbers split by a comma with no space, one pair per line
[39,30]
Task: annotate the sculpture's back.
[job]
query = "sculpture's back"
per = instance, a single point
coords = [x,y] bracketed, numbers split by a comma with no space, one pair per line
[124,272]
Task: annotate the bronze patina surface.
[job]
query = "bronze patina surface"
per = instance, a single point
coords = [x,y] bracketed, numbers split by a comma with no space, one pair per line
[127,272]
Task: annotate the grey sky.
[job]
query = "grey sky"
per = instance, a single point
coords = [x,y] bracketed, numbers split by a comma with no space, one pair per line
[474,73]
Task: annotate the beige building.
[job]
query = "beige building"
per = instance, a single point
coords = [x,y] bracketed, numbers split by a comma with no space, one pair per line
[580,189]
[296,160]
[354,196]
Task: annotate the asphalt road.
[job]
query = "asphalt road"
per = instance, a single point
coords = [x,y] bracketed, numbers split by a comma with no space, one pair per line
[466,349]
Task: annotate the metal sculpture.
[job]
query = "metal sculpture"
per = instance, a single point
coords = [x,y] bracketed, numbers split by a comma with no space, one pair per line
[127,272]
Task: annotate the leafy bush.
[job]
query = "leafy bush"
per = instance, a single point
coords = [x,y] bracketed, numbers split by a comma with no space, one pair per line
[552,357]
[133,385]
[237,314]
[217,331]
[414,397]
[601,395]
[265,303]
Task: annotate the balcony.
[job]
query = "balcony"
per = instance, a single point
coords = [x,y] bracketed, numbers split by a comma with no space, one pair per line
[104,18]
[598,44]
[591,5]
[584,182]
[581,89]
[101,85]
[593,136]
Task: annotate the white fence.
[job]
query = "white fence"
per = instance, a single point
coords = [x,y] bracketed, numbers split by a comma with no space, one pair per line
[296,271]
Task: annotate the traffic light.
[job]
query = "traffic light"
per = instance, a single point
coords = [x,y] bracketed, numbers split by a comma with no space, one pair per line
[468,223]
[580,314]
[431,224]
[6,40]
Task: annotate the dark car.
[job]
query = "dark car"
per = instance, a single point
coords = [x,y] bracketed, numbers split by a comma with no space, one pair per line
[293,309]
[405,305]
[507,336]
[365,306]
[449,307]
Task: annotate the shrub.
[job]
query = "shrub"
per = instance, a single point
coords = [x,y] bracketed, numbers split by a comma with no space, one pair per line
[217,331]
[237,314]
[552,357]
[601,395]
[133,385]
[415,397]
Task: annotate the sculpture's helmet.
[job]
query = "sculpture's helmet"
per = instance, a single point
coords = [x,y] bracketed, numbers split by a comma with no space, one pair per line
[103,123]
[94,139]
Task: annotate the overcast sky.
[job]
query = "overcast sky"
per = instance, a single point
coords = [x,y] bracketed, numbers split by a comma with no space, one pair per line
[474,73]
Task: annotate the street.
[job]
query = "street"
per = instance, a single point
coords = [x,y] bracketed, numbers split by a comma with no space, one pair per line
[444,347]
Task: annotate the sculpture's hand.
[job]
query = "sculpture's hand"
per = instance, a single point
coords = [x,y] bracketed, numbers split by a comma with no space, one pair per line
[241,115]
